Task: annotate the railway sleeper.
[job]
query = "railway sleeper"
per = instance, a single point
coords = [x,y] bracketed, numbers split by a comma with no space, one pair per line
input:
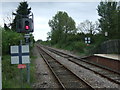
[96,69]
[114,77]
[74,84]
[105,72]
[58,68]
[63,73]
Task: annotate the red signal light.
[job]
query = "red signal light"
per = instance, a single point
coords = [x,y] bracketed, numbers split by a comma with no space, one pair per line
[26,27]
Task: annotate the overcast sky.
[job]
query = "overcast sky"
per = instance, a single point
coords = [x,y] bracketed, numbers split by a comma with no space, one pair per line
[44,11]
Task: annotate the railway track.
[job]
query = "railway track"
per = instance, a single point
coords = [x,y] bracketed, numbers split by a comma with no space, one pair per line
[65,77]
[107,73]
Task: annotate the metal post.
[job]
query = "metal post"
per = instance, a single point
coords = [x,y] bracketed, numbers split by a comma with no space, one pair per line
[26,38]
[21,77]
[106,35]
[21,74]
[28,65]
[28,73]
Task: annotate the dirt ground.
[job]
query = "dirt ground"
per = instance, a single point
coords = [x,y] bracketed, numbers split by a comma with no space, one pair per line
[44,77]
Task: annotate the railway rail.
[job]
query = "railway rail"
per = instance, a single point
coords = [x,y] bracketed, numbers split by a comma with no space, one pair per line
[107,73]
[65,77]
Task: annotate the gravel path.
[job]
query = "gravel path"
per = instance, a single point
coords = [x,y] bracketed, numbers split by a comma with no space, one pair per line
[87,75]
[44,76]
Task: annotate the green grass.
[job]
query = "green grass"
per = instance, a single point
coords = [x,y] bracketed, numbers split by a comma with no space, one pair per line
[78,48]
[32,70]
[11,74]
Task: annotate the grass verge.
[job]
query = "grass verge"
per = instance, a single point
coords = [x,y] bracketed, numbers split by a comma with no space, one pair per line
[11,74]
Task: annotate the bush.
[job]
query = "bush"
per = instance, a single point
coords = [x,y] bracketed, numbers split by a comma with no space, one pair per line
[79,46]
[10,38]
[11,75]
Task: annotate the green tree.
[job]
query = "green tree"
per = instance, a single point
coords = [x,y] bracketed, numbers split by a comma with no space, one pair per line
[9,38]
[6,27]
[108,18]
[23,10]
[117,22]
[88,27]
[61,25]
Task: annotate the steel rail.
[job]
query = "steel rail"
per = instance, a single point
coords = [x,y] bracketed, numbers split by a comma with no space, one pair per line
[92,63]
[52,71]
[117,82]
[67,69]
[95,72]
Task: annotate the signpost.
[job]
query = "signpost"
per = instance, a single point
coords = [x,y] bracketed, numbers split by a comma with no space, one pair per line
[87,40]
[20,66]
[27,37]
[20,54]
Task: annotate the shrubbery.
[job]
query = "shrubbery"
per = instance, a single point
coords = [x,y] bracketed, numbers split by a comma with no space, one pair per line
[79,46]
[9,38]
[10,72]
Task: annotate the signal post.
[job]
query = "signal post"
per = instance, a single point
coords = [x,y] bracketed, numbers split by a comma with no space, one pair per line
[25,25]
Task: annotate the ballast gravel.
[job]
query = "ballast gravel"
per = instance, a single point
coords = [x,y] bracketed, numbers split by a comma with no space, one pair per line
[93,79]
[44,77]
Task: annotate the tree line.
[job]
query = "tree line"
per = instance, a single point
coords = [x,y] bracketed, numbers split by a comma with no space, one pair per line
[64,32]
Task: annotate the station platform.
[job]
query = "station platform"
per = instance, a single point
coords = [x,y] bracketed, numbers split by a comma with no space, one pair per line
[110,56]
[111,61]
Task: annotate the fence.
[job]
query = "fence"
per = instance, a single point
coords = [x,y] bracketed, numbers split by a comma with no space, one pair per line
[108,47]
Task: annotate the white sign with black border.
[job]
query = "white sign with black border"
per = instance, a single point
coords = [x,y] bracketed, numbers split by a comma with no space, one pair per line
[20,54]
